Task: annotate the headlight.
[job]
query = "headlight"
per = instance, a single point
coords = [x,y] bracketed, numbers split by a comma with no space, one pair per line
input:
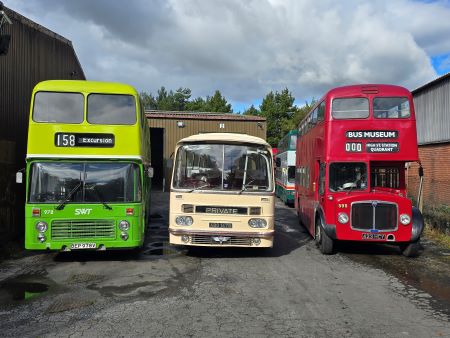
[41,226]
[405,219]
[124,225]
[257,222]
[184,220]
[41,238]
[342,217]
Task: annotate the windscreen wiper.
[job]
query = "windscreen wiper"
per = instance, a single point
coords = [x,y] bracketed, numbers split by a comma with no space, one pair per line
[69,196]
[245,186]
[202,186]
[99,197]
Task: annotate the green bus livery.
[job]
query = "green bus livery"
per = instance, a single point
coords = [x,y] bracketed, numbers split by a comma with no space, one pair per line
[87,167]
[285,168]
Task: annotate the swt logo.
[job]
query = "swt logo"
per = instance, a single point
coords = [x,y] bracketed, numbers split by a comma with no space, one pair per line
[82,211]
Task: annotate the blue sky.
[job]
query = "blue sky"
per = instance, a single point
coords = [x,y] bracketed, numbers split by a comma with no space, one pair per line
[248,48]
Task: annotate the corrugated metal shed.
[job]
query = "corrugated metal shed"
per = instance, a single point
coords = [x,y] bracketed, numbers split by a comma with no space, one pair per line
[432,105]
[35,54]
[178,125]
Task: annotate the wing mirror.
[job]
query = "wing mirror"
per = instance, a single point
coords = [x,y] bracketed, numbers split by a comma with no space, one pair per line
[19,177]
[150,172]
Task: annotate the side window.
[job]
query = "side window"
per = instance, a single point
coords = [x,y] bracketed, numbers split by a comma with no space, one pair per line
[321,112]
[322,169]
[314,117]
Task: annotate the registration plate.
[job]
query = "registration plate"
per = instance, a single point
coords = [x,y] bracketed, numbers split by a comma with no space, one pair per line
[221,225]
[76,246]
[374,236]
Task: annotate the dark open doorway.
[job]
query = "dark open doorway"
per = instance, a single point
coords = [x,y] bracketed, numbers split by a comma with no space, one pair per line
[157,148]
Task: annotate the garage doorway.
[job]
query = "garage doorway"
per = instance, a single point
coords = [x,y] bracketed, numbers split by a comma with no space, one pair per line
[157,151]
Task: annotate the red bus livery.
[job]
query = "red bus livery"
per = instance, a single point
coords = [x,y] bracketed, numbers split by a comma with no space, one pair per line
[350,168]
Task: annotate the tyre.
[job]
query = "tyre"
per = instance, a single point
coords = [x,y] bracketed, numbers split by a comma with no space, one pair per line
[324,242]
[410,249]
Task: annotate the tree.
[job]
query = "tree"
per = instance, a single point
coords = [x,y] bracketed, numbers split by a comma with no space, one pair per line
[278,108]
[252,111]
[148,100]
[217,103]
[197,104]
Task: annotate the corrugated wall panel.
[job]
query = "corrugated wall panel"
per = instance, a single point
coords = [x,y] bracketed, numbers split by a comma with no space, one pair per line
[35,54]
[432,105]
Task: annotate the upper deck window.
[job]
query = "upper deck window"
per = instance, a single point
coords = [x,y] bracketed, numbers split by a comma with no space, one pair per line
[293,142]
[58,107]
[350,108]
[391,107]
[111,109]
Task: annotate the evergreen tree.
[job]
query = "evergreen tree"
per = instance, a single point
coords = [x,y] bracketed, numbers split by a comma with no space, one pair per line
[252,111]
[148,100]
[278,108]
[217,103]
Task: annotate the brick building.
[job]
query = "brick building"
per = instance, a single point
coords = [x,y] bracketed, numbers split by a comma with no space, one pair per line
[432,105]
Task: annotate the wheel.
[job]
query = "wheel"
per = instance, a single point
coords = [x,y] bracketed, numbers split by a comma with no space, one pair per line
[323,241]
[410,249]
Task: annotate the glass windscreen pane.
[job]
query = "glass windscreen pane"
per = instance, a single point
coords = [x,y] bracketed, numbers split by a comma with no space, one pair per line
[88,182]
[391,107]
[388,177]
[58,107]
[348,176]
[350,108]
[111,109]
[222,167]
[291,174]
[293,142]
[112,182]
[52,182]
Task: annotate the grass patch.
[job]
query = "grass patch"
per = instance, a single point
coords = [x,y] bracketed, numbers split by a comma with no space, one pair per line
[437,235]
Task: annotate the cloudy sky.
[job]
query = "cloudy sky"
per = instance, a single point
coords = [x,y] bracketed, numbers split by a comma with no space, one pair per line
[246,48]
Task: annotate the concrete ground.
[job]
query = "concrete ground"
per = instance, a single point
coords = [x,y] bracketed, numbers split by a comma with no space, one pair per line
[290,291]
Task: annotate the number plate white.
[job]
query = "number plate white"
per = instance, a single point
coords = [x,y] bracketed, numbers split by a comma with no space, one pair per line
[76,246]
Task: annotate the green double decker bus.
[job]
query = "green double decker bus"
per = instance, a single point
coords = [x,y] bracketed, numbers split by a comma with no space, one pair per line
[88,172]
[285,168]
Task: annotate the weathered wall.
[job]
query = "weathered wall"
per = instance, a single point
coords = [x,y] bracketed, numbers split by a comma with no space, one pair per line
[435,160]
[35,54]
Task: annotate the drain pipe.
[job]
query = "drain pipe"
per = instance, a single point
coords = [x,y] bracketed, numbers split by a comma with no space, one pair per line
[419,196]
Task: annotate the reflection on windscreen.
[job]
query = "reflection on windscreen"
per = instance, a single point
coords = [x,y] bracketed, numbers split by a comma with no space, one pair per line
[348,176]
[350,108]
[58,107]
[100,182]
[222,167]
[390,107]
[111,109]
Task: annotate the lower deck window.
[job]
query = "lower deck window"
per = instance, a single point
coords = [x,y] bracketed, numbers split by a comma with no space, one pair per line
[385,177]
[347,176]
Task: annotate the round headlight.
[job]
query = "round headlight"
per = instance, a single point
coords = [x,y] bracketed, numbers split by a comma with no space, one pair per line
[342,217]
[405,219]
[184,220]
[41,238]
[124,225]
[257,222]
[41,226]
[124,236]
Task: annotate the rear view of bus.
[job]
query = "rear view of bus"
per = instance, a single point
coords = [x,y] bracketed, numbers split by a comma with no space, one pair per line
[222,191]
[352,156]
[87,167]
[285,168]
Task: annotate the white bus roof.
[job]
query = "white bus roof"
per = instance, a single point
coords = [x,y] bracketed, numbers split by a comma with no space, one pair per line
[224,137]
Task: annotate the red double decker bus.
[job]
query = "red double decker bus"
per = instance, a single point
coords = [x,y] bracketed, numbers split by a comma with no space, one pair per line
[350,168]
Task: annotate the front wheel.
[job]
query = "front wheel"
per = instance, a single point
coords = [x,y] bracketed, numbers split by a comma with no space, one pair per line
[324,242]
[410,249]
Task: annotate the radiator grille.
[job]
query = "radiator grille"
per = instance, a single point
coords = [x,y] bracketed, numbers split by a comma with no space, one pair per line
[69,229]
[374,216]
[207,239]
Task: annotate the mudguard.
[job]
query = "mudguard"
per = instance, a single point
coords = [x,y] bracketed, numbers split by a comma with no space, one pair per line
[417,224]
[330,229]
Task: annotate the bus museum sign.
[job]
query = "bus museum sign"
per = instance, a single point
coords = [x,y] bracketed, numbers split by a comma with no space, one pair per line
[84,140]
[372,147]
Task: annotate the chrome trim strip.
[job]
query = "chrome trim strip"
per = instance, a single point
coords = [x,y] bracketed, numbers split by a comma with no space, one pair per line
[268,233]
[75,156]
[373,224]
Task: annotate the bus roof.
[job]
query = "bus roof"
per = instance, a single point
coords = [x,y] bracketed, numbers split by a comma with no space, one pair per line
[85,86]
[368,89]
[224,137]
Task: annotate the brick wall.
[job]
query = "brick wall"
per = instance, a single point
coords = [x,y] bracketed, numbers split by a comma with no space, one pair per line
[435,160]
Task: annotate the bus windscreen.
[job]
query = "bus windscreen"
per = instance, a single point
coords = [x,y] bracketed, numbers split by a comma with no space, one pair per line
[223,167]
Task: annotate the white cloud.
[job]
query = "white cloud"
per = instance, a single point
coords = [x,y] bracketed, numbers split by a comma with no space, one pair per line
[247,48]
